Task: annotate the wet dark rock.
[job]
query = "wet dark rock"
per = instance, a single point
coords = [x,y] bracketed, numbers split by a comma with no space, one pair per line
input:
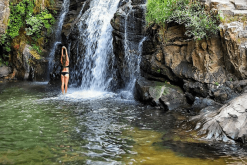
[128,30]
[238,86]
[73,16]
[189,97]
[201,103]
[196,88]
[223,94]
[156,93]
[138,2]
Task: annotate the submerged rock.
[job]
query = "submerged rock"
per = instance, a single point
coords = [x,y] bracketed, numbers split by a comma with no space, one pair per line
[226,124]
[160,94]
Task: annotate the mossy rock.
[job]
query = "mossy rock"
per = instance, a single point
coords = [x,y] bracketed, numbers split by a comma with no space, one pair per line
[159,94]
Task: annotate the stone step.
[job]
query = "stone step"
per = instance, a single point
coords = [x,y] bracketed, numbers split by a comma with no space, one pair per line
[233,12]
[222,6]
[241,6]
[220,1]
[239,12]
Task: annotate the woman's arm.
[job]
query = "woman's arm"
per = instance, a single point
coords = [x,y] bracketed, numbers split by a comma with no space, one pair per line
[61,57]
[67,57]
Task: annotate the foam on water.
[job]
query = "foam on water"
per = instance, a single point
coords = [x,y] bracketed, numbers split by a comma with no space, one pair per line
[88,94]
[76,95]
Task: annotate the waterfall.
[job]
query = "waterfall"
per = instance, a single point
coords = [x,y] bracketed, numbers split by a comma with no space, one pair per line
[59,26]
[132,50]
[140,46]
[94,48]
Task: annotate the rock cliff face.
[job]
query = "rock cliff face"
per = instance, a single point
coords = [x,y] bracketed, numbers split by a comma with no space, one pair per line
[211,72]
[26,63]
[70,35]
[29,65]
[129,26]
[205,67]
[4,15]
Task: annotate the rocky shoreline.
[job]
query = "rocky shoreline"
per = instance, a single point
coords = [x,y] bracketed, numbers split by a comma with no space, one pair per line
[206,77]
[210,73]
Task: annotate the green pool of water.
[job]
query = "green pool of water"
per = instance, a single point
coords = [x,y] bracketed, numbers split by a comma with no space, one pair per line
[38,125]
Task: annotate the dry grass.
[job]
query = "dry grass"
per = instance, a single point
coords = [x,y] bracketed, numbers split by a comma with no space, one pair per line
[228,19]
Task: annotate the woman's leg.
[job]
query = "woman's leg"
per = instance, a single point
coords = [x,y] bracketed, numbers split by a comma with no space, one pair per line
[62,86]
[66,81]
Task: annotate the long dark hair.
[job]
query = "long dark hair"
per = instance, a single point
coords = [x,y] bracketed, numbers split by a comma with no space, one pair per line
[64,58]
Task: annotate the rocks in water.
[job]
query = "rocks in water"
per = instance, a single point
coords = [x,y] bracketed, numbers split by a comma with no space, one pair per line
[161,94]
[227,123]
[172,99]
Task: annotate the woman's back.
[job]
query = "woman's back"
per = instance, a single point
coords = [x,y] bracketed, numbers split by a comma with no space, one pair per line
[65,68]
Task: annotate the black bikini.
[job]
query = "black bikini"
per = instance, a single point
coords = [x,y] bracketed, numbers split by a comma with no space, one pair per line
[64,73]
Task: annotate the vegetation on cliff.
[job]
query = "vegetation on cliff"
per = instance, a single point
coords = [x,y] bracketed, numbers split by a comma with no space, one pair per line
[29,22]
[198,22]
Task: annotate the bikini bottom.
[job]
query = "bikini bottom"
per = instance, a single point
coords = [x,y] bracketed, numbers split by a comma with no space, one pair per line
[64,73]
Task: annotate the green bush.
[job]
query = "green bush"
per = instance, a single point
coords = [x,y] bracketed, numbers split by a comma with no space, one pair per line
[198,23]
[19,13]
[22,16]
[158,11]
[37,22]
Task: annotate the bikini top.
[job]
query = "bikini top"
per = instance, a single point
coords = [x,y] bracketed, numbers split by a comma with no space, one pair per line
[65,66]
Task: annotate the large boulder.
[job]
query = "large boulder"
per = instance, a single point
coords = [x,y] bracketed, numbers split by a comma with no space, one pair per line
[226,124]
[160,94]
[30,65]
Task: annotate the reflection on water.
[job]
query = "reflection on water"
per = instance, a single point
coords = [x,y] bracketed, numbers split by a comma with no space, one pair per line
[38,125]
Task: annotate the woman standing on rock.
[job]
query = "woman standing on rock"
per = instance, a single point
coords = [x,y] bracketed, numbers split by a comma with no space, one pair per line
[64,70]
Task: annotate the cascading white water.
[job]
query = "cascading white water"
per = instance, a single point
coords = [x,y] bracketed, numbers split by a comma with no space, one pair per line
[140,46]
[132,56]
[96,37]
[59,26]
